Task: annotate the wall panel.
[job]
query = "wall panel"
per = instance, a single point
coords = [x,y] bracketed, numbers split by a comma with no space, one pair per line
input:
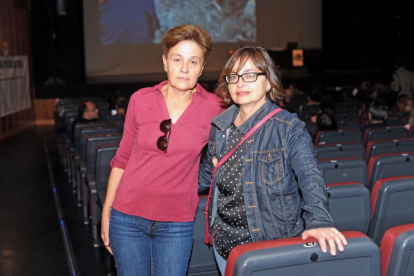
[15,30]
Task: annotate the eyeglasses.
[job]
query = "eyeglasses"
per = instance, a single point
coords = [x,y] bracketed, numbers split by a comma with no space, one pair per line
[162,143]
[247,77]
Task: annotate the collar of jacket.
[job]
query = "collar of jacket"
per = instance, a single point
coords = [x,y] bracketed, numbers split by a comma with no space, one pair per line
[224,120]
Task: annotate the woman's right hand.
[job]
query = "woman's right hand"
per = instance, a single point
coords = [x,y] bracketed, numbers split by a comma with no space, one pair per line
[106,216]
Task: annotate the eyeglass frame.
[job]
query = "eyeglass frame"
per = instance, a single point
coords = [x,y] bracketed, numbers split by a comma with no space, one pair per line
[241,76]
[168,131]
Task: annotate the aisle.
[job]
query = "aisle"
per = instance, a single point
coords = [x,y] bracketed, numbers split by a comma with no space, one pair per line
[31,242]
[30,239]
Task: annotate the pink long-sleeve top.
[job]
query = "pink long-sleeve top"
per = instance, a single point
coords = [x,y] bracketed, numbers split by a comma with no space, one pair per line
[157,185]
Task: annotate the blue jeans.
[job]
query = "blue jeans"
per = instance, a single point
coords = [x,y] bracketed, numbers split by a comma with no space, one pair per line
[146,247]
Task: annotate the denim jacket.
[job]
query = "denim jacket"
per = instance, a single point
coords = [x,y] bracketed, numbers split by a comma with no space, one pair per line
[284,192]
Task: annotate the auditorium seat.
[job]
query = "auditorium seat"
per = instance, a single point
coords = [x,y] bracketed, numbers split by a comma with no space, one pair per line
[380,133]
[349,206]
[338,136]
[119,125]
[85,132]
[88,165]
[349,169]
[96,181]
[308,110]
[393,121]
[348,117]
[293,256]
[78,143]
[397,251]
[346,107]
[332,151]
[202,260]
[349,124]
[411,132]
[378,147]
[312,129]
[392,204]
[390,165]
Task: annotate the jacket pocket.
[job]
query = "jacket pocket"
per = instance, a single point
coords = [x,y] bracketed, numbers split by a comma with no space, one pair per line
[270,167]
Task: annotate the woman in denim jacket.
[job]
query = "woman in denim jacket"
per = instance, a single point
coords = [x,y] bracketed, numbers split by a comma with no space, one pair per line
[271,186]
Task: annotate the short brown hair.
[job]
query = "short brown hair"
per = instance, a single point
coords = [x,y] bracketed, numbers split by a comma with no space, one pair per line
[262,61]
[187,32]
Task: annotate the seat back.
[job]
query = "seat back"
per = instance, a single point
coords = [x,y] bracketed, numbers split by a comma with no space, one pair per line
[349,206]
[349,124]
[392,204]
[90,131]
[393,121]
[350,169]
[390,165]
[68,119]
[104,155]
[119,125]
[78,129]
[338,136]
[202,260]
[308,110]
[411,132]
[332,151]
[95,140]
[381,133]
[397,251]
[378,147]
[293,256]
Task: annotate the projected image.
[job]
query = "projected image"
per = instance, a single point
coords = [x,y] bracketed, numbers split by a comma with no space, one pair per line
[146,21]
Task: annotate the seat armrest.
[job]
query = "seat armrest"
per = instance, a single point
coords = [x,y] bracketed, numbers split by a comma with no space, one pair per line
[82,165]
[101,198]
[90,178]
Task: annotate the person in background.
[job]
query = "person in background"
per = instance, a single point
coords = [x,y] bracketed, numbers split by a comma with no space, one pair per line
[403,79]
[327,107]
[120,107]
[87,112]
[377,115]
[255,195]
[325,121]
[151,201]
[410,120]
[405,105]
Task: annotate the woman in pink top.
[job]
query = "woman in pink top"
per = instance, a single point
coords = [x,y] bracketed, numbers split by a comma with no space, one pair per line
[148,215]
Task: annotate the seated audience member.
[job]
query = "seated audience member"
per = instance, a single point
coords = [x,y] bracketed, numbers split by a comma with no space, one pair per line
[325,121]
[410,120]
[405,105]
[315,95]
[377,115]
[403,80]
[87,112]
[327,107]
[121,105]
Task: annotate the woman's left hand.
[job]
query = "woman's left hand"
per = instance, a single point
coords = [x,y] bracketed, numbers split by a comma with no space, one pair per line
[330,235]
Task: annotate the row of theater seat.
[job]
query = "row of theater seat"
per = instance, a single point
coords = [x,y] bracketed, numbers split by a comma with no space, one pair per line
[352,207]
[370,134]
[363,215]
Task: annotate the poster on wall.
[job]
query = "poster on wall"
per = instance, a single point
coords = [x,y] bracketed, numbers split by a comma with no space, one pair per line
[14,85]
[297,57]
